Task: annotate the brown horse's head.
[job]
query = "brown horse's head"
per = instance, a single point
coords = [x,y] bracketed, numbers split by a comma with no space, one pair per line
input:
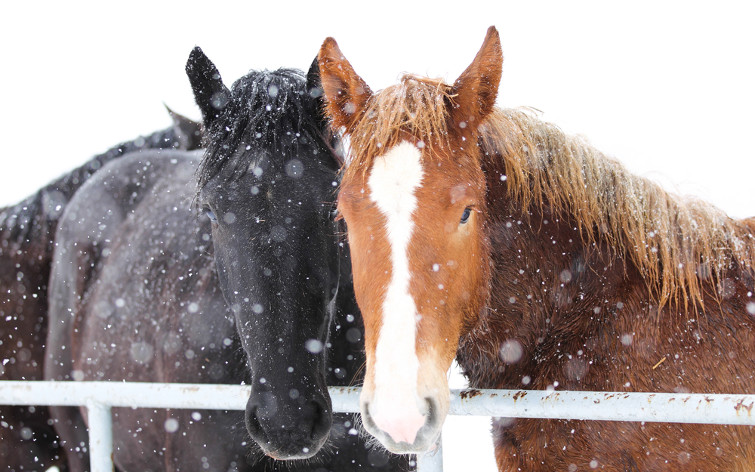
[413,197]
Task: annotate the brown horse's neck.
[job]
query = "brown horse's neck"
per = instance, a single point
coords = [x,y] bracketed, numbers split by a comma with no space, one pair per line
[547,289]
[580,314]
[574,272]
[567,314]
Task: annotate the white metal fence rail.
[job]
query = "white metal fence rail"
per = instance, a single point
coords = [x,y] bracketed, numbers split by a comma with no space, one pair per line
[100,397]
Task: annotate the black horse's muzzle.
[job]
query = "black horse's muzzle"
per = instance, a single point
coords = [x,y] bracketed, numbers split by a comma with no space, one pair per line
[289,425]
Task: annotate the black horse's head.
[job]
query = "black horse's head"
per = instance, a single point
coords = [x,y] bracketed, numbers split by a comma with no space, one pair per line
[267,183]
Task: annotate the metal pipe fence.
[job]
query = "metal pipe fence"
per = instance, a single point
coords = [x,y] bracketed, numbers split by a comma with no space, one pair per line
[100,397]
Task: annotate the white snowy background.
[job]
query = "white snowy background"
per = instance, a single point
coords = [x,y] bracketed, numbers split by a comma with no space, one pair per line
[666,87]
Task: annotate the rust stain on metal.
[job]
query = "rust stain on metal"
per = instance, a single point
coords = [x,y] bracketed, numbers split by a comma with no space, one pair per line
[519,395]
[471,393]
[741,406]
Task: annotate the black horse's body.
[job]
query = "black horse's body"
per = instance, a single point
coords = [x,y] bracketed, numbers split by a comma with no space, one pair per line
[254,290]
[27,439]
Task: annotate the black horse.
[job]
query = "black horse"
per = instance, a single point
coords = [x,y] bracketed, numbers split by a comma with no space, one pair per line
[257,289]
[27,440]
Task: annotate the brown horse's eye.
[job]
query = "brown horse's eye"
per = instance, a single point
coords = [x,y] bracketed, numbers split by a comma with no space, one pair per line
[465,215]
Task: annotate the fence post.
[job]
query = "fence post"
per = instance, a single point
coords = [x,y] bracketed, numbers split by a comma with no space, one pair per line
[431,461]
[100,437]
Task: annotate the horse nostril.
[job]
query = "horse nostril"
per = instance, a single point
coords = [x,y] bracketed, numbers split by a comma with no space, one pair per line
[321,418]
[368,421]
[432,411]
[252,422]
[434,418]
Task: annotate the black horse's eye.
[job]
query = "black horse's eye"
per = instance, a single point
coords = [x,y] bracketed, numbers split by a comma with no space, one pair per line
[211,215]
[465,215]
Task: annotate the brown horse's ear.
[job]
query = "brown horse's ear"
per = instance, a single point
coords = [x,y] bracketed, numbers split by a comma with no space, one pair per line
[346,94]
[476,88]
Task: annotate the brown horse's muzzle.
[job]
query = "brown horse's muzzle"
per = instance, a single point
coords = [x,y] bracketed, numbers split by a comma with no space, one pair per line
[407,436]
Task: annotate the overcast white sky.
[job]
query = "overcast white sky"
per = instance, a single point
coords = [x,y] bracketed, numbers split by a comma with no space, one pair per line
[665,87]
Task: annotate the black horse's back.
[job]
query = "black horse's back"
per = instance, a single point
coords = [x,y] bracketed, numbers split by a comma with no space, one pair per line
[33,220]
[29,442]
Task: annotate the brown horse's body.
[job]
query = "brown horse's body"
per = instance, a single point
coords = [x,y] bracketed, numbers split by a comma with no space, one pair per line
[542,264]
[584,320]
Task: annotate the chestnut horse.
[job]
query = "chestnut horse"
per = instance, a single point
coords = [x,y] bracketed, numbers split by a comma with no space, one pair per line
[540,263]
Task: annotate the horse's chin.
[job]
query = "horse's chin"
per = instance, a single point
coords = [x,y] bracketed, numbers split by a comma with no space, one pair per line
[294,453]
[425,441]
[283,457]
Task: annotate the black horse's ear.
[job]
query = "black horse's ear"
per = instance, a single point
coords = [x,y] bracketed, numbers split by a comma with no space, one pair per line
[314,85]
[210,93]
[188,132]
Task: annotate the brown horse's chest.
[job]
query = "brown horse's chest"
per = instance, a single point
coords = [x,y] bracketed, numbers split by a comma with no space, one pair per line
[614,359]
[530,445]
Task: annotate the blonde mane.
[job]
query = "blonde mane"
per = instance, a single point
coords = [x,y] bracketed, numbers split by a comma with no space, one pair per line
[676,242]
[679,244]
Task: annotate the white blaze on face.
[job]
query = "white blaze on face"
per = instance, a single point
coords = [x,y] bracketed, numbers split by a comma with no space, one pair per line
[396,407]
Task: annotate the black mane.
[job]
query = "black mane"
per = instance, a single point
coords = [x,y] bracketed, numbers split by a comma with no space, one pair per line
[37,215]
[267,110]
